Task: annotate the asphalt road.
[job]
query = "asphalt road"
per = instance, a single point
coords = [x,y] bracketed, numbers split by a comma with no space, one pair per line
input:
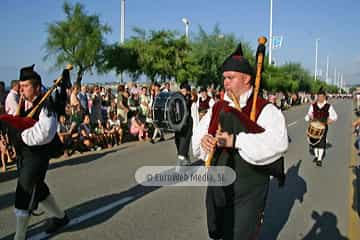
[99,192]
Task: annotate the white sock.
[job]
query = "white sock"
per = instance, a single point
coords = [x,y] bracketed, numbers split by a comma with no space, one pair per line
[316,152]
[321,153]
[51,206]
[22,220]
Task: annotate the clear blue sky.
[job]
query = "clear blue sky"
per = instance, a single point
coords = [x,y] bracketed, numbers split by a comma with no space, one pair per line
[24,23]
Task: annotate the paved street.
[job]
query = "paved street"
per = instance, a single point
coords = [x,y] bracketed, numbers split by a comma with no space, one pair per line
[100,193]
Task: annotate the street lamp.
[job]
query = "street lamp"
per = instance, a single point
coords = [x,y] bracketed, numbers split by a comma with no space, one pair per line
[270,32]
[316,56]
[122,22]
[187,23]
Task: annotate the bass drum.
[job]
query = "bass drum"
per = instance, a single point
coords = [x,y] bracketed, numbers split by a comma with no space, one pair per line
[170,111]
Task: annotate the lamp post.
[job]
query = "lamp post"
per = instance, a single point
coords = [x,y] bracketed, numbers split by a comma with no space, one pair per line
[122,22]
[270,32]
[187,23]
[316,56]
[327,70]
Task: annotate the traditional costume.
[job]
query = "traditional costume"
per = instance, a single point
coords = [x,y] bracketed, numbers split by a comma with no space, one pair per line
[183,137]
[322,112]
[35,141]
[235,211]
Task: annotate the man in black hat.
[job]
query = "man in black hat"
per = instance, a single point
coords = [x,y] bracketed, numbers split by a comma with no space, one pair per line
[235,211]
[324,113]
[183,137]
[34,148]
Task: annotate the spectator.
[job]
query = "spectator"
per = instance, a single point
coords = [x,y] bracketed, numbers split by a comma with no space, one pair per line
[137,128]
[12,99]
[83,98]
[122,104]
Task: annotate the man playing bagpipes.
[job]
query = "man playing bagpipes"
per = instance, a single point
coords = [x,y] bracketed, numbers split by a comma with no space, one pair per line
[35,141]
[320,115]
[248,140]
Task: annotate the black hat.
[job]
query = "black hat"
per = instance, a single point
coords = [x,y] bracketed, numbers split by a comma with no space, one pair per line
[321,91]
[202,89]
[236,62]
[185,85]
[28,73]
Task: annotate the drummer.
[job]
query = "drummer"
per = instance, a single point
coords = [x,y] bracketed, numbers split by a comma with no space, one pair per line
[321,111]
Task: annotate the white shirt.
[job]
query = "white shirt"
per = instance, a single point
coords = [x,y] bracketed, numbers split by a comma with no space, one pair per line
[43,130]
[12,102]
[332,114]
[255,148]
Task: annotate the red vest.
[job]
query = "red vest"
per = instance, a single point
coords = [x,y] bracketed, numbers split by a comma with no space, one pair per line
[321,114]
[244,115]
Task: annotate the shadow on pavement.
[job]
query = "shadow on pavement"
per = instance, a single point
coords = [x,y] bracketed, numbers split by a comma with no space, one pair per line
[325,227]
[96,211]
[280,202]
[6,200]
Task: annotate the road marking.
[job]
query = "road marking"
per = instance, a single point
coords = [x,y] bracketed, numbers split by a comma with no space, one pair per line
[292,124]
[354,223]
[86,216]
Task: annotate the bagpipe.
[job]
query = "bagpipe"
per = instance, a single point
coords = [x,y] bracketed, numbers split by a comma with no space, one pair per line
[14,125]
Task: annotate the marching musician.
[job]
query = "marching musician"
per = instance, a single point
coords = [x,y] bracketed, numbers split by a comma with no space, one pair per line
[234,212]
[33,147]
[183,137]
[325,113]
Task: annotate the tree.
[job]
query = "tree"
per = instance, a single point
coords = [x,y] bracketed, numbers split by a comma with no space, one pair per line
[210,51]
[77,40]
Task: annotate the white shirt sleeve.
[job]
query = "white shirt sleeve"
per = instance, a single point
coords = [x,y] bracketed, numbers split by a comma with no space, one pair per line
[332,114]
[11,104]
[310,114]
[42,132]
[266,147]
[211,102]
[198,133]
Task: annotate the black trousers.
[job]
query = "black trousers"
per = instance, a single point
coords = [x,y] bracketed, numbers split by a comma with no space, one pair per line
[237,219]
[31,188]
[183,139]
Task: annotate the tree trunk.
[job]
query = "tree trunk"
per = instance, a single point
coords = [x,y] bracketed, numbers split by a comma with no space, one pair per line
[79,77]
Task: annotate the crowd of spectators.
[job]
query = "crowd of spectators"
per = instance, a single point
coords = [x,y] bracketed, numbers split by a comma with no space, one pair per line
[98,117]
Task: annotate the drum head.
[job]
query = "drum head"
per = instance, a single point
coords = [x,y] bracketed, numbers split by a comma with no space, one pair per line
[178,112]
[170,111]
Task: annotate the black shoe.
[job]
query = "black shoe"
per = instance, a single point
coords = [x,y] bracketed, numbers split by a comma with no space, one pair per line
[152,141]
[162,139]
[319,163]
[54,224]
[315,159]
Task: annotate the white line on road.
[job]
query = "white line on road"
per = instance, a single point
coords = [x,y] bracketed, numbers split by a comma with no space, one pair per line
[86,216]
[292,124]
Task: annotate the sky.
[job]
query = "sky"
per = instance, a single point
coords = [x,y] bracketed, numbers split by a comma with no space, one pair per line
[300,22]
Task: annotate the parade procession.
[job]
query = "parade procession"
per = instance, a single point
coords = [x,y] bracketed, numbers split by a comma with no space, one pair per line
[218,131]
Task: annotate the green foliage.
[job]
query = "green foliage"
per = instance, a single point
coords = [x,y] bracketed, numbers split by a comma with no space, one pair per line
[78,39]
[164,55]
[210,51]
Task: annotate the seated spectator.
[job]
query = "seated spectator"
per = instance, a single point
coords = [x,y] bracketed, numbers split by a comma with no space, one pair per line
[102,136]
[66,134]
[115,125]
[87,138]
[137,128]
